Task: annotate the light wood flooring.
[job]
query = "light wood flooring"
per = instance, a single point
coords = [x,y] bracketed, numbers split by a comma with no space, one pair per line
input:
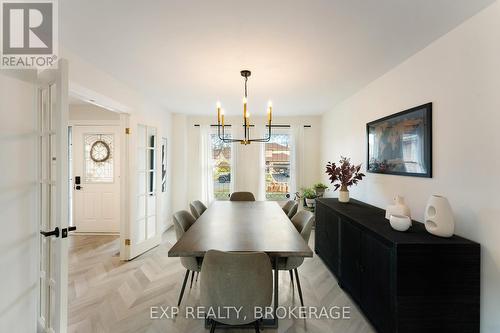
[107,295]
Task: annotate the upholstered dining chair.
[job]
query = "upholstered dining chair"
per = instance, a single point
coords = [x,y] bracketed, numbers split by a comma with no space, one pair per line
[286,207]
[197,208]
[242,196]
[293,210]
[239,279]
[303,222]
[182,222]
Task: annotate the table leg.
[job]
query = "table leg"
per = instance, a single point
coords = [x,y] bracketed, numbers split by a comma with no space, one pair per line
[276,278]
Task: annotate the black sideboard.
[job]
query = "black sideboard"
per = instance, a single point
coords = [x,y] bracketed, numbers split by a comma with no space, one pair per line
[405,282]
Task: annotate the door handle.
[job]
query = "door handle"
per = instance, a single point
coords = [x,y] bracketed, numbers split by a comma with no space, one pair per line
[54,232]
[65,231]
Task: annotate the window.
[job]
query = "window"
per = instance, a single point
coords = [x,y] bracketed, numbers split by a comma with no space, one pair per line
[221,166]
[277,164]
[164,164]
[98,158]
[146,183]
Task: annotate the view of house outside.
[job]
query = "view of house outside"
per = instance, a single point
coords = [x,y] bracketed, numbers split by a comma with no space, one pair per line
[277,164]
[221,158]
[277,154]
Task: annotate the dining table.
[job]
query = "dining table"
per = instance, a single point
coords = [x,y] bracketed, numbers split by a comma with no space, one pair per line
[244,226]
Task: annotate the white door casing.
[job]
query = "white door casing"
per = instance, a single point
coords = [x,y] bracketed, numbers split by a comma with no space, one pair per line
[96,200]
[52,112]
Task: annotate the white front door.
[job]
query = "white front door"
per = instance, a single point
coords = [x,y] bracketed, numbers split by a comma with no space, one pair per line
[96,178]
[52,109]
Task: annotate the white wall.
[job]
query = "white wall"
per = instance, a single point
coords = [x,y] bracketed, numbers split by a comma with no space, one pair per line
[460,74]
[91,112]
[187,156]
[19,224]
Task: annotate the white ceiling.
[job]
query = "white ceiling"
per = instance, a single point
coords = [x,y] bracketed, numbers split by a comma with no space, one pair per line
[306,56]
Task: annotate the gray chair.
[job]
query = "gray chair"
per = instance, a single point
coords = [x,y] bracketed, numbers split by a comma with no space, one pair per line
[197,208]
[303,222]
[240,279]
[286,207]
[293,210]
[182,222]
[242,196]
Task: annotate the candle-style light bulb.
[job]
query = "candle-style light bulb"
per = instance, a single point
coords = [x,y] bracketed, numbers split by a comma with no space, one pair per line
[218,112]
[269,111]
[222,116]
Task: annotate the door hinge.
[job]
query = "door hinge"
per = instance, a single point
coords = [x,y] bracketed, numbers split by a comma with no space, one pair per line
[127,241]
[127,130]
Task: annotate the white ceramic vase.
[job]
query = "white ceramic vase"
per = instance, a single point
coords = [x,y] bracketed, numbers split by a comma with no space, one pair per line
[438,218]
[344,196]
[310,202]
[400,222]
[398,208]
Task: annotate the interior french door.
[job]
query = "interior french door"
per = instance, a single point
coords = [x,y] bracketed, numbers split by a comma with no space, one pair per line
[52,111]
[144,222]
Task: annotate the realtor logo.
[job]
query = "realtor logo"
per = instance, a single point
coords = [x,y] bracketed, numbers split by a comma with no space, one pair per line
[29,34]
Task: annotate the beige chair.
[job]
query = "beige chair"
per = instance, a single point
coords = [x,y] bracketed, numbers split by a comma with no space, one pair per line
[286,207]
[197,208]
[293,210]
[303,222]
[239,279]
[182,222]
[242,196]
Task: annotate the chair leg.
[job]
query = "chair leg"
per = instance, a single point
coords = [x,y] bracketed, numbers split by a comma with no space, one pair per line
[183,287]
[192,278]
[291,276]
[212,327]
[196,280]
[257,326]
[298,286]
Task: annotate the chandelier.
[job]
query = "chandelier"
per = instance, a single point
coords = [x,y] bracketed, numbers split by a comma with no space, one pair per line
[246,119]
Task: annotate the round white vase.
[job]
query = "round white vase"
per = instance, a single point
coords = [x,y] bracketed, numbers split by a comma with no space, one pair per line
[398,207]
[343,196]
[438,218]
[400,222]
[310,202]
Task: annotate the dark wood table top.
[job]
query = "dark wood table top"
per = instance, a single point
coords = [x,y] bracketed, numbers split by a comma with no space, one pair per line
[242,226]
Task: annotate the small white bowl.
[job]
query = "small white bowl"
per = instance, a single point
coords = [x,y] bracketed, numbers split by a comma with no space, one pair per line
[400,222]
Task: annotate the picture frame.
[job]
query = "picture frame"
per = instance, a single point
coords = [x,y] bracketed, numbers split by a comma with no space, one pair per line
[401,144]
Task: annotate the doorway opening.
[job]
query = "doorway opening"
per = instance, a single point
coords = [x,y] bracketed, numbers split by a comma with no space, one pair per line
[95,172]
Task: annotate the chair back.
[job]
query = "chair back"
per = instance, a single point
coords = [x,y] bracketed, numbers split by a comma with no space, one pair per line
[242,196]
[293,210]
[303,222]
[197,208]
[286,207]
[240,279]
[182,222]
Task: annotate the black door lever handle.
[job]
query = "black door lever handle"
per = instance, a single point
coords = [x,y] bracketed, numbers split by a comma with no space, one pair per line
[54,232]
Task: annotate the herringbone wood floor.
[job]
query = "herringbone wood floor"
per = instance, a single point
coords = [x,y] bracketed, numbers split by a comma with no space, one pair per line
[107,295]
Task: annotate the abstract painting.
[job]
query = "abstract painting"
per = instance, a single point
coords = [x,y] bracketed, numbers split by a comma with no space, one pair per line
[401,144]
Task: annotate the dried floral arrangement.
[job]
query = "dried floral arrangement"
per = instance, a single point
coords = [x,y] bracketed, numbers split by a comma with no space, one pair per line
[344,174]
